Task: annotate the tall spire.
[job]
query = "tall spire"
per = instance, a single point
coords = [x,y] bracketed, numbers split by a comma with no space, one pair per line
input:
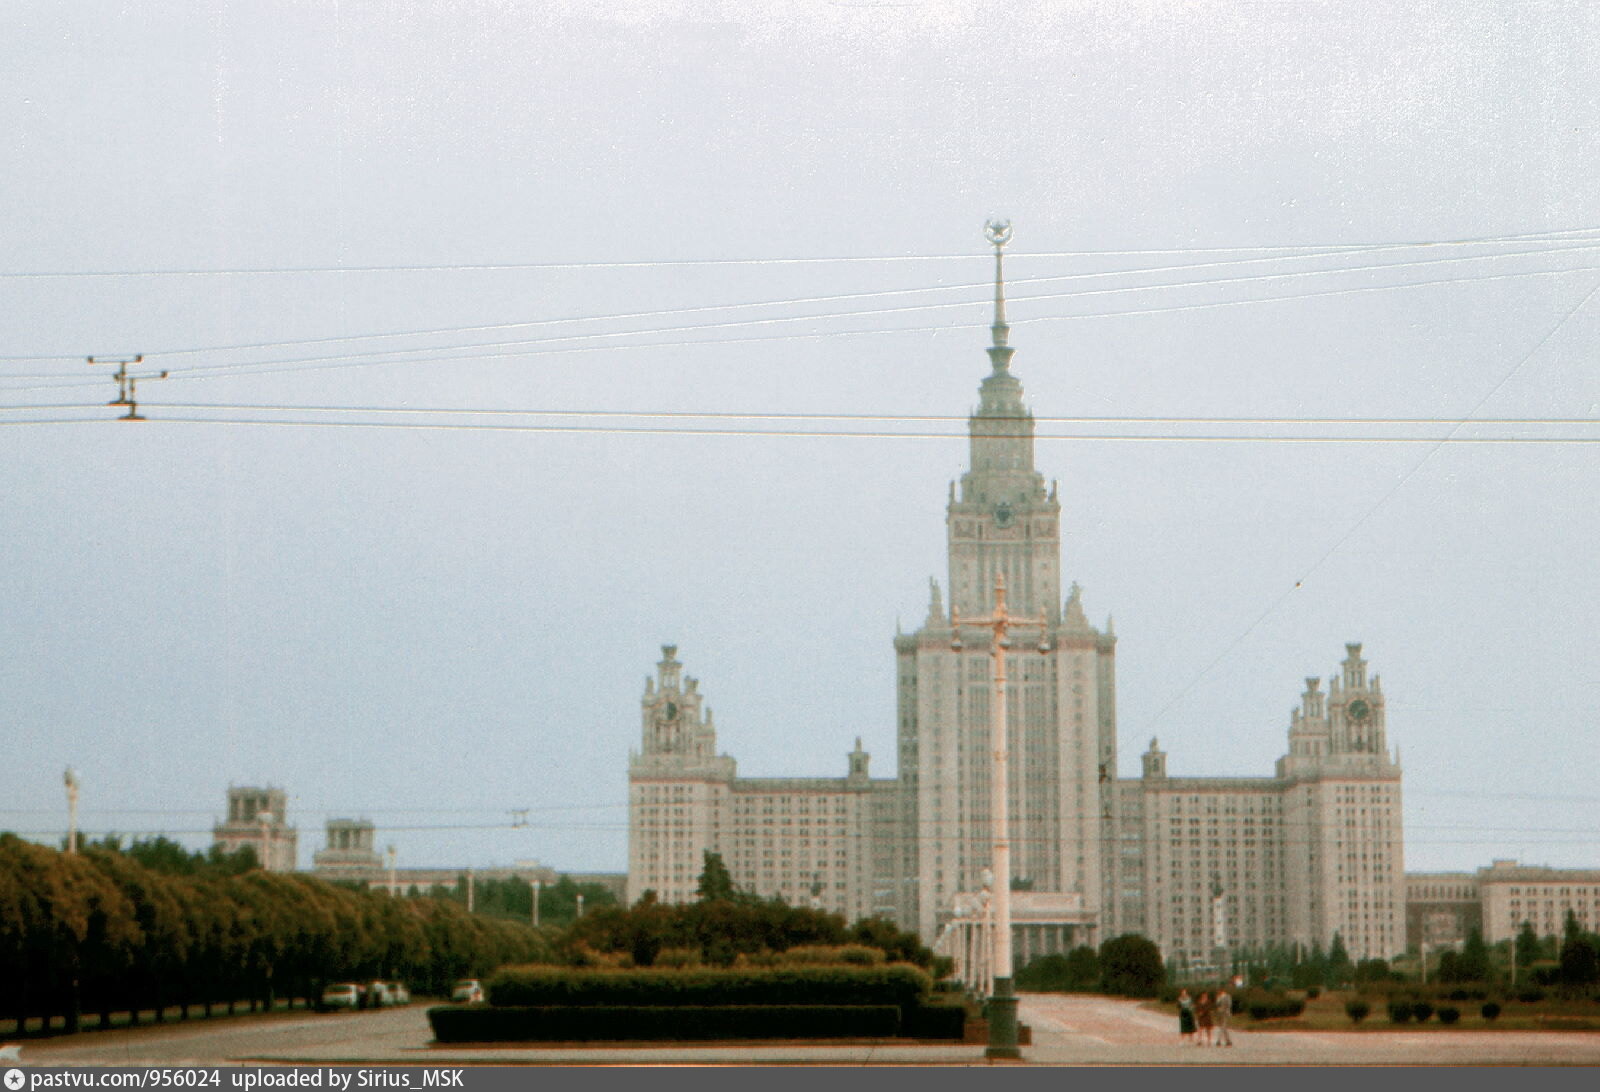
[998,232]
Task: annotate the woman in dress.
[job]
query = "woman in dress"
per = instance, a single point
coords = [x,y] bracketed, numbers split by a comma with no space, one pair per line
[1204,1010]
[1185,1016]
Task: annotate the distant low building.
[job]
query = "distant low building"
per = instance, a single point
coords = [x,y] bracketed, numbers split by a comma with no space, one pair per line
[1442,909]
[1514,893]
[256,818]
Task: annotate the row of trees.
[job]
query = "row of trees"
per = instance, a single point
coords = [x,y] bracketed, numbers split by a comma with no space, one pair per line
[1127,966]
[511,897]
[725,922]
[111,930]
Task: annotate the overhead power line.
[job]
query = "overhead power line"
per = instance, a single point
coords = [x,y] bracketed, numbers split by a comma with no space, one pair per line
[839,297]
[677,263]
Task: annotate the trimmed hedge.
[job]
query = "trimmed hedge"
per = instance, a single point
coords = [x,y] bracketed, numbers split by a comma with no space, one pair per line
[1449,1014]
[937,1020]
[612,1023]
[900,985]
[1490,1010]
[1275,1008]
[1421,1010]
[1400,1012]
[1357,1010]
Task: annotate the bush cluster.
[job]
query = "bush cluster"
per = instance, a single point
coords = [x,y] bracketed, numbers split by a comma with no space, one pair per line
[722,929]
[1357,1010]
[1449,1014]
[1490,1010]
[98,931]
[533,986]
[1263,1006]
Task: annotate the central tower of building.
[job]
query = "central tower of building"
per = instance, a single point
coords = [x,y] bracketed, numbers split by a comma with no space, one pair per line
[1062,705]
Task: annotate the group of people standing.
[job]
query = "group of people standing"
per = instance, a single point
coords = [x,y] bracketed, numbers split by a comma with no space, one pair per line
[1205,1020]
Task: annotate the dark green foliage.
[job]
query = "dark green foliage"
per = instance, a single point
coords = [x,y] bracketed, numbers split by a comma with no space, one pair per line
[1130,966]
[1475,958]
[466,1024]
[934,1020]
[1477,993]
[723,929]
[1490,1010]
[1357,1010]
[1399,1012]
[1268,1007]
[1372,970]
[115,929]
[1449,1014]
[1078,971]
[541,986]
[1528,948]
[1421,1010]
[1530,996]
[716,882]
[1580,959]
[1340,970]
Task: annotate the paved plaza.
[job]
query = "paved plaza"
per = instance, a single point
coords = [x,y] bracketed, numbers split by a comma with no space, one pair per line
[1067,1030]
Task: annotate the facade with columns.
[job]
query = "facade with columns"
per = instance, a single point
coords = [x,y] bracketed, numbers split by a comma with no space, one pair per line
[1196,864]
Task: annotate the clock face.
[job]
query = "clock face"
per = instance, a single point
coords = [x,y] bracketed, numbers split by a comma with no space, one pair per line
[1359,710]
[1003,515]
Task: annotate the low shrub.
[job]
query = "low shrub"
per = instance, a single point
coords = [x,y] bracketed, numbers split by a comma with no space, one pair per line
[1531,996]
[898,984]
[1449,1014]
[829,955]
[1490,1010]
[1313,992]
[1276,1009]
[1399,1012]
[1357,1010]
[1468,994]
[935,1020]
[487,1024]
[1421,1010]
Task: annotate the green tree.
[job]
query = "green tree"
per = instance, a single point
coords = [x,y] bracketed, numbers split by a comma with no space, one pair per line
[716,882]
[1475,958]
[1339,968]
[1130,966]
[1528,949]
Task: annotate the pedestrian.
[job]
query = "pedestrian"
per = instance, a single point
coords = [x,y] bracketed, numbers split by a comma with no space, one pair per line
[1224,1017]
[1204,1014]
[1185,1016]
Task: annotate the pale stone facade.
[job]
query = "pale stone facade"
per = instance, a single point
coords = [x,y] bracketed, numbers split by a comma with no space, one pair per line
[810,840]
[349,854]
[1249,863]
[256,819]
[1196,864]
[1514,893]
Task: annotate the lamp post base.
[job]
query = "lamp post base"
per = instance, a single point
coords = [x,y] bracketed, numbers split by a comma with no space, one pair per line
[1003,1023]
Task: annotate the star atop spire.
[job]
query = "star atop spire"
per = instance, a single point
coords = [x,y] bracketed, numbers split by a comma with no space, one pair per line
[998,232]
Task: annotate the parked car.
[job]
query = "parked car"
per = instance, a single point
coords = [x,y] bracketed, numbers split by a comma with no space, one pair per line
[398,994]
[379,995]
[341,995]
[468,989]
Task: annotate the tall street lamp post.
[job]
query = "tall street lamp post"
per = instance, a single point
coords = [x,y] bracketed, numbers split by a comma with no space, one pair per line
[71,781]
[1003,1002]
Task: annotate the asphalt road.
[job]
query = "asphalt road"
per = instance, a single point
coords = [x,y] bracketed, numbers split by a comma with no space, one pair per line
[1067,1031]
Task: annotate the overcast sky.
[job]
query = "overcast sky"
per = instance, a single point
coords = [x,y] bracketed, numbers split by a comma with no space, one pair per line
[431,627]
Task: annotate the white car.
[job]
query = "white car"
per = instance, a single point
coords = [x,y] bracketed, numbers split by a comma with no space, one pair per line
[469,990]
[342,995]
[398,994]
[379,995]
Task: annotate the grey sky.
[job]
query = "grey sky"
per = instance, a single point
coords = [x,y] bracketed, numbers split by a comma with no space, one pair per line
[433,627]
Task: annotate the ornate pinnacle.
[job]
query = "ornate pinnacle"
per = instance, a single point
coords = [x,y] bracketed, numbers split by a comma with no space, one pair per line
[998,232]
